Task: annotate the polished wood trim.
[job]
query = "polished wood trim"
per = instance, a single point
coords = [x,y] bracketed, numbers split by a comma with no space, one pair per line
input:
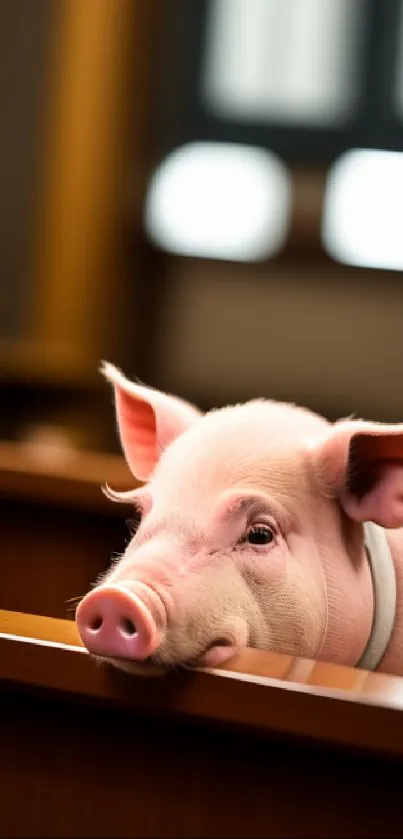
[99,63]
[275,694]
[39,628]
[90,65]
[72,479]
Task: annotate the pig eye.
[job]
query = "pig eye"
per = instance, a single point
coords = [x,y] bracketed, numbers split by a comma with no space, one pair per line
[260,534]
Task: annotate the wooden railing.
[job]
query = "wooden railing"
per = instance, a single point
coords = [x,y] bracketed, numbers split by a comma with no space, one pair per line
[267,691]
[88,751]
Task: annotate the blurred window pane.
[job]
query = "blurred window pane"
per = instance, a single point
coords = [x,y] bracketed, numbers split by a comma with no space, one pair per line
[220,201]
[288,61]
[363,209]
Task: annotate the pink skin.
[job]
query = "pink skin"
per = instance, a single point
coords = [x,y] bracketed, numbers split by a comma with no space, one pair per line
[143,594]
[117,623]
[250,534]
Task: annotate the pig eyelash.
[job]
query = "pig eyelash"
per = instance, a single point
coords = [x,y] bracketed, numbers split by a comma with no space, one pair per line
[262,526]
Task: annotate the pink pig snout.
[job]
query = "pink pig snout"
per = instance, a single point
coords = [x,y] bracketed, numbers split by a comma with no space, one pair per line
[113,622]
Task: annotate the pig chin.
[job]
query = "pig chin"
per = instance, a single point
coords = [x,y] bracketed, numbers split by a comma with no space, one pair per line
[161,664]
[137,668]
[213,651]
[174,655]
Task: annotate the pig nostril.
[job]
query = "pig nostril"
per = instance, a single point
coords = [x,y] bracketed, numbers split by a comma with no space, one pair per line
[96,624]
[127,626]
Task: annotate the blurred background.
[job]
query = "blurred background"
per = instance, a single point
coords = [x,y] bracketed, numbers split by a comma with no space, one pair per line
[207,193]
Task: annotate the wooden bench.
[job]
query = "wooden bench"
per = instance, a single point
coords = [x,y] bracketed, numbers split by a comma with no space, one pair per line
[270,746]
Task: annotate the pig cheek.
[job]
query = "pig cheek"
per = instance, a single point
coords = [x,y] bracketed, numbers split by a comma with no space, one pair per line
[268,567]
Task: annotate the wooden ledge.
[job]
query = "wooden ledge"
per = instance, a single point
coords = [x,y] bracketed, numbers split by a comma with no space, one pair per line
[274,694]
[73,480]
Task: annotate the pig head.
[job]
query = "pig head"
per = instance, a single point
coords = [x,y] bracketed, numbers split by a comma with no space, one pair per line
[250,532]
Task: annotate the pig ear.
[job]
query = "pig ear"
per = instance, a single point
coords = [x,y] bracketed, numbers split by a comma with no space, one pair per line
[363,463]
[148,421]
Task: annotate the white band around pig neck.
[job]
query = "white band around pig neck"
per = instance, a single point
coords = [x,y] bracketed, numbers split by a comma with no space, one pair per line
[385,593]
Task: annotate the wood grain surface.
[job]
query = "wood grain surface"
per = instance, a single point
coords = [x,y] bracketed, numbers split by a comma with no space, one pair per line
[256,690]
[73,479]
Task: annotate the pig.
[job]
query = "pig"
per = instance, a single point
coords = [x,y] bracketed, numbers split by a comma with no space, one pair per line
[259,525]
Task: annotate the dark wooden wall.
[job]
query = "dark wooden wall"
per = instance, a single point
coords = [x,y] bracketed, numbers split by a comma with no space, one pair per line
[299,327]
[58,531]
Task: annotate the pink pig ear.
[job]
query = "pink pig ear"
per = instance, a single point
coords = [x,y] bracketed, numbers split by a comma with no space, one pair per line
[148,421]
[363,463]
